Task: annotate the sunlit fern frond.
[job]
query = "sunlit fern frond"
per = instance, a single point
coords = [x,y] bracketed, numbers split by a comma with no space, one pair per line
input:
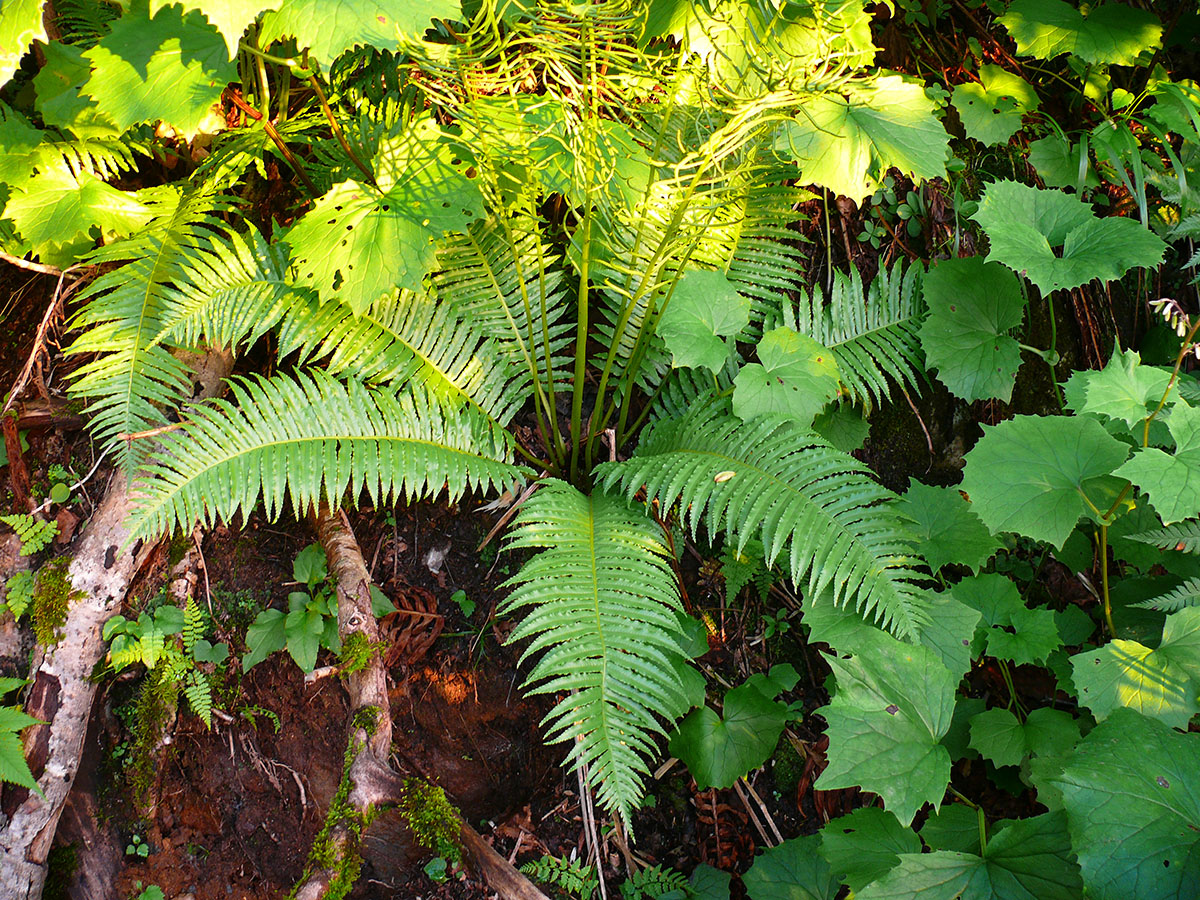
[99,156]
[810,504]
[84,22]
[502,278]
[133,376]
[602,601]
[872,333]
[310,437]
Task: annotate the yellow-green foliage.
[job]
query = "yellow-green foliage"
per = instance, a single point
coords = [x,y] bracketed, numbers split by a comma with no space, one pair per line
[432,818]
[51,600]
[356,653]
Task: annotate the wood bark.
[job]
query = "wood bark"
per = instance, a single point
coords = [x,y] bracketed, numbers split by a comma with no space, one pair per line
[62,691]
[375,783]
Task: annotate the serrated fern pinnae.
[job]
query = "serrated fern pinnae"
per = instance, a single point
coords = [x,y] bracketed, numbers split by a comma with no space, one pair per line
[133,375]
[873,333]
[810,504]
[1184,536]
[309,437]
[601,601]
[1181,597]
[104,157]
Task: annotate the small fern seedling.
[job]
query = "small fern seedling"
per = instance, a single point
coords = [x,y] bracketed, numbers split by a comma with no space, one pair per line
[35,535]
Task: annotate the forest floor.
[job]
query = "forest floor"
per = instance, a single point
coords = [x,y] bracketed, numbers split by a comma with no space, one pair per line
[238,805]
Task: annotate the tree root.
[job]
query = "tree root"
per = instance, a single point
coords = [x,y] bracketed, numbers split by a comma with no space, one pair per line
[99,576]
[369,782]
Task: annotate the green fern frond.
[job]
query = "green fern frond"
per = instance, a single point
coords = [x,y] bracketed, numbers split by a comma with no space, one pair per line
[1184,536]
[35,535]
[83,22]
[503,278]
[811,504]
[194,624]
[310,437]
[133,376]
[655,882]
[104,157]
[198,691]
[407,337]
[602,603]
[1186,594]
[872,333]
[574,876]
[231,289]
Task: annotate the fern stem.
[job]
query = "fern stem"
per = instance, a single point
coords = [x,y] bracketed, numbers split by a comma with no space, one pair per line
[337,130]
[277,138]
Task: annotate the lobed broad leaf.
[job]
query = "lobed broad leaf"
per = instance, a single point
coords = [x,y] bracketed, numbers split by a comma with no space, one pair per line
[229,17]
[865,845]
[1163,683]
[795,870]
[1124,389]
[1131,791]
[1028,860]
[1171,480]
[1029,475]
[1107,33]
[795,377]
[991,109]
[1000,736]
[847,140]
[972,307]
[945,527]
[1056,242]
[893,704]
[20,25]
[705,310]
[172,67]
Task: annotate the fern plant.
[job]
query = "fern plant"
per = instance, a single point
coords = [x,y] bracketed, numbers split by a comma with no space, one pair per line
[547,231]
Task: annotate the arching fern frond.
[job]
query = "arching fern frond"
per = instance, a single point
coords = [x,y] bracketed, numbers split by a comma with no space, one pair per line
[872,333]
[1180,597]
[104,157]
[133,374]
[503,278]
[1184,536]
[770,479]
[602,603]
[310,437]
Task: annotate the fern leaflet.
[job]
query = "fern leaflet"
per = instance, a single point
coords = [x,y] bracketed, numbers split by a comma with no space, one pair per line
[1183,536]
[199,695]
[18,593]
[602,604]
[1187,594]
[311,437]
[35,535]
[812,504]
[574,876]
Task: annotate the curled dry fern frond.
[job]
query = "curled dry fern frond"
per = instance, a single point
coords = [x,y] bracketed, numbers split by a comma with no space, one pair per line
[770,479]
[602,601]
[310,437]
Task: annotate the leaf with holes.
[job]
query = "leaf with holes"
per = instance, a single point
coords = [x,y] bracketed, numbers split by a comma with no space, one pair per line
[893,704]
[1056,242]
[795,377]
[1163,683]
[705,310]
[1172,480]
[1131,791]
[991,108]
[361,241]
[972,307]
[1030,475]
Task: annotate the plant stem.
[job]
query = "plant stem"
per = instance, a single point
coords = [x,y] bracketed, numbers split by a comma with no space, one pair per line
[979,814]
[1183,351]
[337,131]
[274,135]
[1108,619]
[297,69]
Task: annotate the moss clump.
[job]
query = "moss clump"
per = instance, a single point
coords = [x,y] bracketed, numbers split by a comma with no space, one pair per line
[357,652]
[433,819]
[155,703]
[52,596]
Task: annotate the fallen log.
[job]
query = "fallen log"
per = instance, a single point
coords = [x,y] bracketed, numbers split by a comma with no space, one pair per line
[98,577]
[370,783]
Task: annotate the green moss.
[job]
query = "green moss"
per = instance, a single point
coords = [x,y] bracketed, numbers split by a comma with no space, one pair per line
[60,867]
[52,596]
[432,818]
[156,701]
[357,652]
